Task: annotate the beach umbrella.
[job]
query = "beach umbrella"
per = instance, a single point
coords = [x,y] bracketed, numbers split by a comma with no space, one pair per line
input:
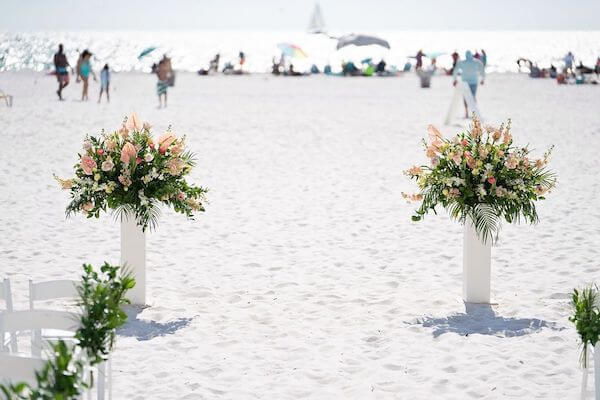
[361,40]
[291,50]
[145,52]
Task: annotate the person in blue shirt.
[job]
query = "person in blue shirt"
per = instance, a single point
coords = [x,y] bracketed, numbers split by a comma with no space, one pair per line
[471,70]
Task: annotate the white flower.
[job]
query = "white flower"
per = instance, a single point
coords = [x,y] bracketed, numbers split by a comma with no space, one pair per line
[481,191]
[87,144]
[107,165]
[148,157]
[146,179]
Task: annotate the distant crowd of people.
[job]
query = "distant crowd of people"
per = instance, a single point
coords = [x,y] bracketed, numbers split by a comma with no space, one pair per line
[569,73]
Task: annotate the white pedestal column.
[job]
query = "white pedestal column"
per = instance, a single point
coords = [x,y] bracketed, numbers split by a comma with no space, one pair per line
[477,261]
[597,371]
[133,257]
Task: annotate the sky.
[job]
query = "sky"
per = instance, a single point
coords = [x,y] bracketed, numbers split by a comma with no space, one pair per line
[20,15]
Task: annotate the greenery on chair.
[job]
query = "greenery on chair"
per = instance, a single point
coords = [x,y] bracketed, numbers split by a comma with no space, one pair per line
[63,377]
[586,318]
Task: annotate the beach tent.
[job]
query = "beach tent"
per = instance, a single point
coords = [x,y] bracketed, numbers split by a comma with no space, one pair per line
[361,40]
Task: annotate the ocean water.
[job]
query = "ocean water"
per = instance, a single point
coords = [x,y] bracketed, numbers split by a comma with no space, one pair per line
[192,50]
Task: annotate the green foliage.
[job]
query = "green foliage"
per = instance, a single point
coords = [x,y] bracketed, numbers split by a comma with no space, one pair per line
[101,296]
[586,318]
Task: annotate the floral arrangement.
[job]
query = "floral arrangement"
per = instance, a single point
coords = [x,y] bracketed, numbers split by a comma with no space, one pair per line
[586,318]
[101,298]
[480,174]
[129,171]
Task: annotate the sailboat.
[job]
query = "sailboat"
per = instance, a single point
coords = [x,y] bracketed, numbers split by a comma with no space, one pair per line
[317,23]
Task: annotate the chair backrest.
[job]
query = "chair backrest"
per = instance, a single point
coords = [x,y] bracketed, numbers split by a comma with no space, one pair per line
[6,295]
[15,369]
[35,320]
[50,290]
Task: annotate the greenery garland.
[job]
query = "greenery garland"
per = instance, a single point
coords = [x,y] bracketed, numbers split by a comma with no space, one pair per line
[101,296]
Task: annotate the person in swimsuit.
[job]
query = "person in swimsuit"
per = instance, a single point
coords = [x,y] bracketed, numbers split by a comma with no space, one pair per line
[60,66]
[104,83]
[85,70]
[163,82]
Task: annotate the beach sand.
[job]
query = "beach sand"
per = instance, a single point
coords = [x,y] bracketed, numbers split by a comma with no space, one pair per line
[306,278]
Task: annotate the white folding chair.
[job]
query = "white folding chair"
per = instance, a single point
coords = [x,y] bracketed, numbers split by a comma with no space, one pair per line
[67,289]
[51,290]
[36,321]
[6,295]
[16,369]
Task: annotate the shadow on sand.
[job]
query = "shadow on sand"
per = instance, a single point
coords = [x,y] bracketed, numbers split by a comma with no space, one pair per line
[147,330]
[481,319]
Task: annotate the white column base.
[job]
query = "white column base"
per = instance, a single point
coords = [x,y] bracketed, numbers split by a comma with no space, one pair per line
[133,257]
[477,260]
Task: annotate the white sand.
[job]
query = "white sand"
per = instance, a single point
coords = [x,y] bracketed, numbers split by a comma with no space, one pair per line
[306,278]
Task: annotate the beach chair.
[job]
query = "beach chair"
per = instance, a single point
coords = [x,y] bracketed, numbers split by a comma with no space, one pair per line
[7,98]
[67,289]
[6,295]
[35,321]
[16,369]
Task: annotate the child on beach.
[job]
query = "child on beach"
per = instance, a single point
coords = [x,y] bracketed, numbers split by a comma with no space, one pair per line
[163,82]
[104,83]
[84,71]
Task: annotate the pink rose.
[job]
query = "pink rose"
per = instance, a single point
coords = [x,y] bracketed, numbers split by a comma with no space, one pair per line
[491,180]
[165,141]
[110,145]
[100,151]
[107,165]
[128,152]
[88,164]
[180,196]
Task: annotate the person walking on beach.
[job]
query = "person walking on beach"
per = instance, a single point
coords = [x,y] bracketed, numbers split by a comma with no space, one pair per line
[104,83]
[84,71]
[162,73]
[569,59]
[455,58]
[62,74]
[471,71]
[419,58]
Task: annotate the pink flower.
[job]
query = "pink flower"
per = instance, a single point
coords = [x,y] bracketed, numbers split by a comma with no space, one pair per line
[175,166]
[110,145]
[177,149]
[464,142]
[491,180]
[434,132]
[180,196]
[128,152]
[88,165]
[138,160]
[87,206]
[456,158]
[125,180]
[124,132]
[507,138]
[415,171]
[165,141]
[134,123]
[100,151]
[496,135]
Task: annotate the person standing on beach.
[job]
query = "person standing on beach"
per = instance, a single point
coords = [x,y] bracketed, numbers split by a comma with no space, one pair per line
[455,58]
[60,65]
[419,58]
[104,83]
[569,60]
[484,58]
[162,73]
[471,71]
[84,71]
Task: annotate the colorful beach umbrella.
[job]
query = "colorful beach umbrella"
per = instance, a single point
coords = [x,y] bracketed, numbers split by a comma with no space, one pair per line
[361,40]
[291,50]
